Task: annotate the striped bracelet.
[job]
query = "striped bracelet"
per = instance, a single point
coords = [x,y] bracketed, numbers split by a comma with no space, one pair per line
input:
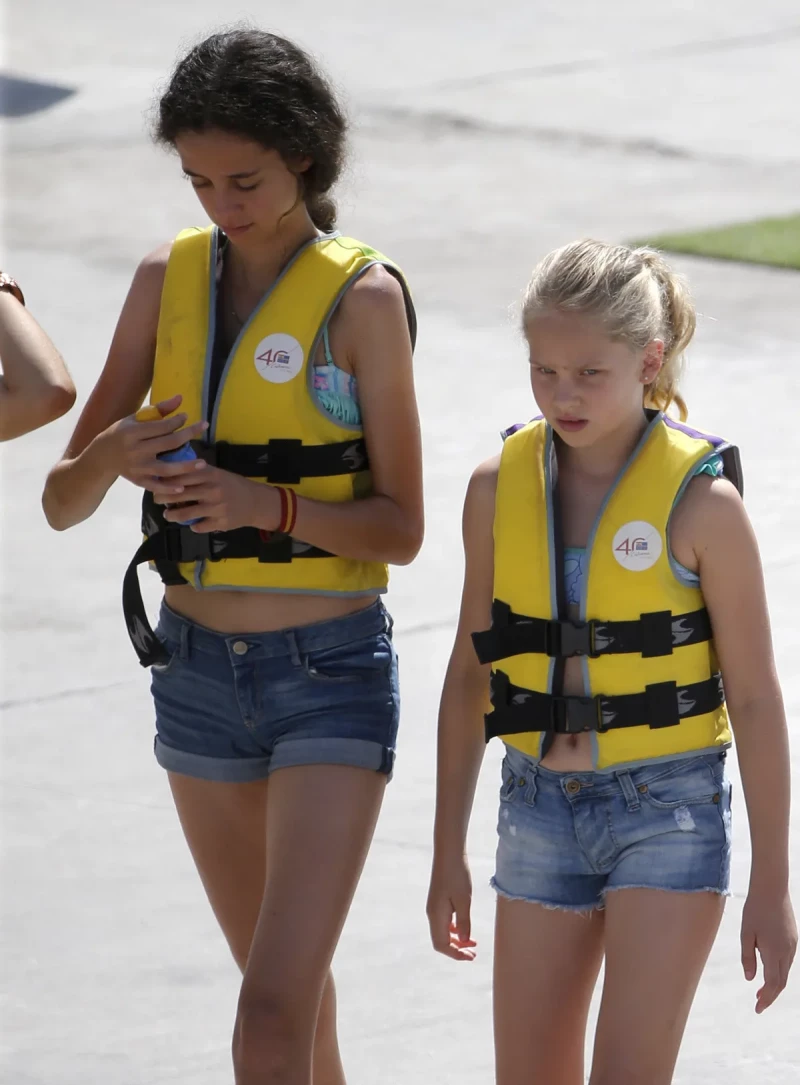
[288,510]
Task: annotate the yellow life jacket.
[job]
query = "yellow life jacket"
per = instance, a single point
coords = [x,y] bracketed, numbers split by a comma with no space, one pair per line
[651,683]
[265,422]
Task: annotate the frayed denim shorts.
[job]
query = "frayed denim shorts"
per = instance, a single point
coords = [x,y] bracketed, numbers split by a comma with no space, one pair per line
[568,838]
[234,708]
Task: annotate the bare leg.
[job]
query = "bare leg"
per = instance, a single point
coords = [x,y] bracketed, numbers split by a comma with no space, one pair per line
[224,826]
[545,967]
[657,944]
[320,821]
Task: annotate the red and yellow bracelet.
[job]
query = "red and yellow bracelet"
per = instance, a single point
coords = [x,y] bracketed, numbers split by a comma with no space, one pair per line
[288,510]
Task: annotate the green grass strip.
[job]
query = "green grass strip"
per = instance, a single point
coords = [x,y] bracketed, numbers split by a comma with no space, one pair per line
[773,241]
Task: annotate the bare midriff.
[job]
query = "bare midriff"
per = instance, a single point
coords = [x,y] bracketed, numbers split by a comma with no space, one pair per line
[258,612]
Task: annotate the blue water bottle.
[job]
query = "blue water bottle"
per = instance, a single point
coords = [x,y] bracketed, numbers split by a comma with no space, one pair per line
[175,455]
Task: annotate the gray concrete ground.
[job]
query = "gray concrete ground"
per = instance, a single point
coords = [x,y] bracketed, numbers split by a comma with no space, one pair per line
[484,135]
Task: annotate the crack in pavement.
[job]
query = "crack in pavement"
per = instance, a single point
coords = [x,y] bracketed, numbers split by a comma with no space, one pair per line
[463,124]
[588,64]
[57,695]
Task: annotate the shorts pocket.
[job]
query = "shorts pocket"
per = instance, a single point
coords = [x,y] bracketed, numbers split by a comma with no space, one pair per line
[367,660]
[173,647]
[691,784]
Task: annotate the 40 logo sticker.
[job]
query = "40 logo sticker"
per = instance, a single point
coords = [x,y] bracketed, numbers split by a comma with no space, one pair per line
[278,358]
[637,546]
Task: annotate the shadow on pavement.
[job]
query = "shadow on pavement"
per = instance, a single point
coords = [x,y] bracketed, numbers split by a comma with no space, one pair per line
[21,97]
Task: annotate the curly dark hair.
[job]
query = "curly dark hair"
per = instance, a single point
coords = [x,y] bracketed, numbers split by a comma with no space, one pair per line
[265,88]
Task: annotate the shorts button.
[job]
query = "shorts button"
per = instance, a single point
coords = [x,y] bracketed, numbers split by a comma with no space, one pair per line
[716,798]
[573,787]
[642,788]
[521,781]
[240,647]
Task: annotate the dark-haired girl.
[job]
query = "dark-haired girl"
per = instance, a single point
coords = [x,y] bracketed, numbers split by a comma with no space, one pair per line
[280,463]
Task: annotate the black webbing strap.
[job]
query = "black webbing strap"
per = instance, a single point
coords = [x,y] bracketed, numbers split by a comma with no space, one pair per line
[517,710]
[732,467]
[173,544]
[286,461]
[651,635]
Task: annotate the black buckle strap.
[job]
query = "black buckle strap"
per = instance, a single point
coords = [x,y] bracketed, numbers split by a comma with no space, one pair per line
[570,638]
[286,461]
[270,548]
[168,547]
[653,634]
[575,715]
[178,543]
[148,647]
[174,544]
[517,710]
[513,634]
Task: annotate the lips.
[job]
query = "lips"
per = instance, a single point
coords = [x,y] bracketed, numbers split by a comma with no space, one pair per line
[572,425]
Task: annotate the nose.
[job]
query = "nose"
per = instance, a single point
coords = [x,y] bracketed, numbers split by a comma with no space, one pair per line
[565,394]
[225,205]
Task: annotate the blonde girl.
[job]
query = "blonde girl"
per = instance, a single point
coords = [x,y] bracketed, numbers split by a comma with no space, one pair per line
[612,582]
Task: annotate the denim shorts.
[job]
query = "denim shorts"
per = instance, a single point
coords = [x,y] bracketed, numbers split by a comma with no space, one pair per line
[234,708]
[568,838]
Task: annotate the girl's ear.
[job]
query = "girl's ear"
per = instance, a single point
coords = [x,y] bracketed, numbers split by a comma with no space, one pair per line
[652,361]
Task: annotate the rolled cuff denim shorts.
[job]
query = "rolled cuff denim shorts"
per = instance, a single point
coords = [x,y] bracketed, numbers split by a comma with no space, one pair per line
[233,708]
[566,839]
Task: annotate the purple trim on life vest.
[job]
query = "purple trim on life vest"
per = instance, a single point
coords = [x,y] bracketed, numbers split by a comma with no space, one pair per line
[504,433]
[715,441]
[519,425]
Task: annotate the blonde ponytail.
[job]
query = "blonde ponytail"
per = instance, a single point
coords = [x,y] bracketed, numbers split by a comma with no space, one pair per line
[636,295]
[680,321]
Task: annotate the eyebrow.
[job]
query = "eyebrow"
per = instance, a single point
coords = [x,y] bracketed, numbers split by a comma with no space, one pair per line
[232,176]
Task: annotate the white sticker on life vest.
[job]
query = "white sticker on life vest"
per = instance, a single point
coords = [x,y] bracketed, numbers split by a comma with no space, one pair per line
[278,358]
[637,546]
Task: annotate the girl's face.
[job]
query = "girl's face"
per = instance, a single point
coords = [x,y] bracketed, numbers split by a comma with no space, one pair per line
[585,384]
[244,188]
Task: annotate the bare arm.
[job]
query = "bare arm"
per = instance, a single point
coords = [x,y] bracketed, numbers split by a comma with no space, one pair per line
[35,387]
[387,525]
[107,442]
[461,730]
[726,555]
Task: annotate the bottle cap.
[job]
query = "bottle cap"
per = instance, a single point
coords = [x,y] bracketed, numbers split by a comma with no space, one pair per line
[150,413]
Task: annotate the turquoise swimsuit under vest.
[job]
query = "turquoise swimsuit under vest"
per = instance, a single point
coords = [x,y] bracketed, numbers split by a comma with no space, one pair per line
[335,390]
[575,556]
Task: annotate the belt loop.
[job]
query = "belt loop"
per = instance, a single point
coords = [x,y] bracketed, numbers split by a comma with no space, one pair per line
[532,786]
[294,651]
[186,642]
[628,790]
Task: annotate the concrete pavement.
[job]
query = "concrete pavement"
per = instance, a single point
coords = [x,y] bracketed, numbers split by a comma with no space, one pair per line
[483,137]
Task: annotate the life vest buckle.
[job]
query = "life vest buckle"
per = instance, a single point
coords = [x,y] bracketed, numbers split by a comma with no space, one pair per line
[183,544]
[576,715]
[276,549]
[571,639]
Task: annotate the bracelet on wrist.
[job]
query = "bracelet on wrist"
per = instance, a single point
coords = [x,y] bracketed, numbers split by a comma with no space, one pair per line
[288,516]
[288,510]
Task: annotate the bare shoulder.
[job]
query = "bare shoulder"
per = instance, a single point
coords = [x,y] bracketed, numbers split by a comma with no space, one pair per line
[375,294]
[370,333]
[150,273]
[708,505]
[709,520]
[482,492]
